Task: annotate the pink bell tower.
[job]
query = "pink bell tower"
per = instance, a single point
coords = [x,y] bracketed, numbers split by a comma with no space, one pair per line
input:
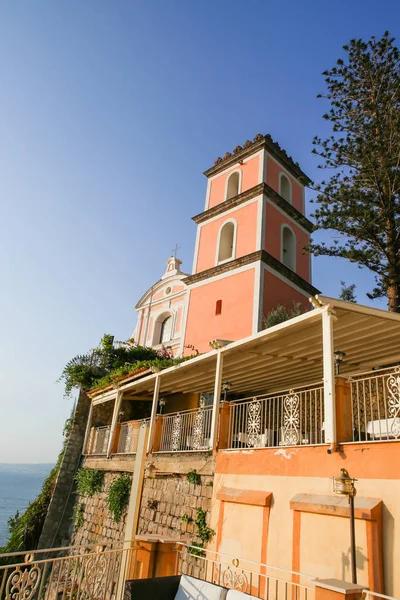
[248,256]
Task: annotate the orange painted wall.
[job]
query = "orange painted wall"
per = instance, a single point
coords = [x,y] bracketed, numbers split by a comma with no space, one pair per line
[273,170]
[277,292]
[235,322]
[378,460]
[249,179]
[246,218]
[274,222]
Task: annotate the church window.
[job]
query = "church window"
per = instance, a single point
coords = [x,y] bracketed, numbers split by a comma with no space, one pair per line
[218,307]
[232,188]
[226,242]
[285,188]
[166,330]
[288,248]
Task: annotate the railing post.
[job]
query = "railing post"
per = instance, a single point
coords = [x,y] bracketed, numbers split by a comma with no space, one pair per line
[217,399]
[224,413]
[117,406]
[157,433]
[335,589]
[329,377]
[153,412]
[344,426]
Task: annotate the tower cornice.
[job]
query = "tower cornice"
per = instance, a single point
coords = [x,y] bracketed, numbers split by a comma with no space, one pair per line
[253,257]
[257,190]
[260,142]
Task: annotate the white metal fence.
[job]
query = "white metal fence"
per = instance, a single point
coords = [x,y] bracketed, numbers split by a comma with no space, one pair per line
[128,436]
[71,573]
[291,418]
[375,405]
[257,579]
[98,440]
[187,430]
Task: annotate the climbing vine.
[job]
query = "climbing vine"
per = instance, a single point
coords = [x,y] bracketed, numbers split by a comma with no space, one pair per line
[118,496]
[89,481]
[204,533]
[194,477]
[79,510]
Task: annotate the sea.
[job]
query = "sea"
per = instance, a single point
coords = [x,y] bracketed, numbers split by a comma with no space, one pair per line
[19,485]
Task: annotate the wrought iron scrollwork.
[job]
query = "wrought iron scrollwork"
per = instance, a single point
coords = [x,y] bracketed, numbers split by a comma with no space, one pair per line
[291,419]
[254,424]
[23,582]
[234,580]
[176,432]
[393,385]
[197,441]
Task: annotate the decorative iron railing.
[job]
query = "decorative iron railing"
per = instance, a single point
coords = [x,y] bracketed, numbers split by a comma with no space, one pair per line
[71,573]
[98,440]
[128,436]
[291,418]
[375,405]
[187,430]
[257,579]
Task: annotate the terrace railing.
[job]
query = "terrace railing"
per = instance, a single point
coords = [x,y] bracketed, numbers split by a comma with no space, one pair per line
[375,405]
[250,577]
[128,436]
[187,430]
[98,440]
[78,573]
[291,418]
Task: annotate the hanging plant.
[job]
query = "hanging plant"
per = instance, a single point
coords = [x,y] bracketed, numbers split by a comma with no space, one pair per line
[89,481]
[118,496]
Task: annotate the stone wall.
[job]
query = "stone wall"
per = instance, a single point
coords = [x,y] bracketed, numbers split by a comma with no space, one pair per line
[165,500]
[57,526]
[98,525]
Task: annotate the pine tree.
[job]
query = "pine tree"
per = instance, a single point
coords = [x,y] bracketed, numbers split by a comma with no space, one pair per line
[361,199]
[347,292]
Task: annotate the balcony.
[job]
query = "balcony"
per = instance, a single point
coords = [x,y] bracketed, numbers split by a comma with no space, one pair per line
[291,418]
[127,435]
[185,431]
[375,405]
[98,440]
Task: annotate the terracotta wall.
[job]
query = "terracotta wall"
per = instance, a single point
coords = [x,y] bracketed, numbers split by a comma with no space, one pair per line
[250,178]
[273,170]
[317,544]
[273,234]
[235,321]
[277,292]
[246,236]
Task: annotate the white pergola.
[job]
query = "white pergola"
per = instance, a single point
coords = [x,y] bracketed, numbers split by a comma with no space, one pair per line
[294,353]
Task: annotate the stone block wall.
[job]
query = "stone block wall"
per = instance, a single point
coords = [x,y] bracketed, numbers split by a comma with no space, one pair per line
[165,500]
[57,526]
[98,525]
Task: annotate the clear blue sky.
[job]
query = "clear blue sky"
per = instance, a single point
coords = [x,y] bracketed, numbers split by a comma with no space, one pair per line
[109,114]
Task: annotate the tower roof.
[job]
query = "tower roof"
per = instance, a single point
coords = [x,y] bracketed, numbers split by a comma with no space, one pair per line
[250,147]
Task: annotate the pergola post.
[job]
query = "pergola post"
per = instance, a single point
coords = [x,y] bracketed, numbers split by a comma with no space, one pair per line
[88,427]
[117,406]
[217,398]
[153,413]
[329,377]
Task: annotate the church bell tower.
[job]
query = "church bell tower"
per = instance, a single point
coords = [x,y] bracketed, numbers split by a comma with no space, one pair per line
[248,254]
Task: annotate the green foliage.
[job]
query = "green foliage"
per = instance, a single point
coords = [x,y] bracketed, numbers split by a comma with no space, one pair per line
[118,496]
[360,200]
[204,533]
[89,481]
[186,519]
[109,362]
[282,313]
[79,510]
[194,477]
[347,292]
